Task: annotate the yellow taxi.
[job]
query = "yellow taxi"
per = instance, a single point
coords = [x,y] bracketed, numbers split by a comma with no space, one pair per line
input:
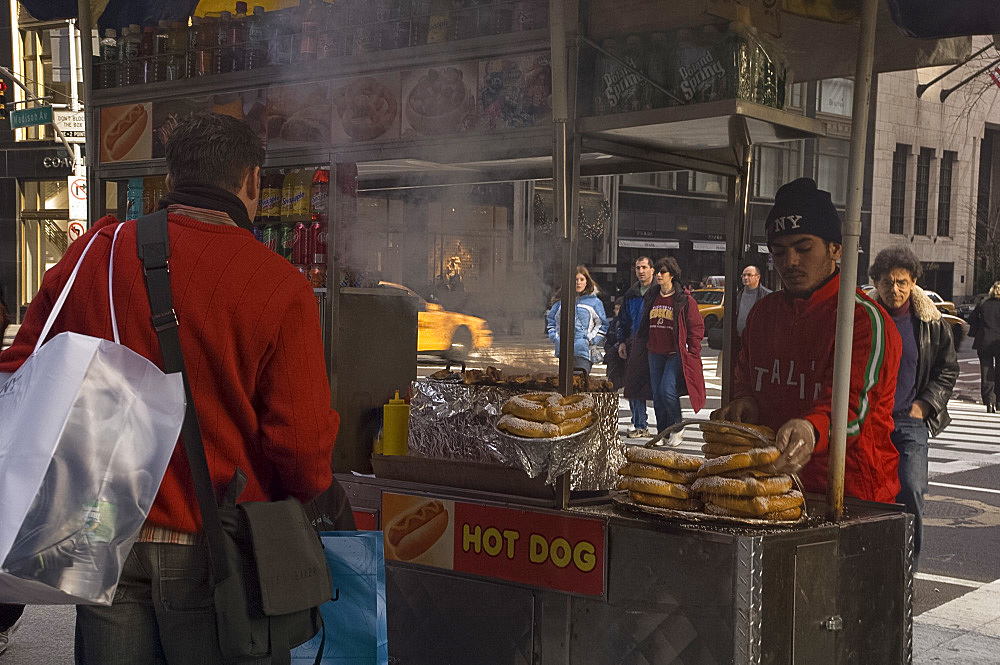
[711,305]
[448,334]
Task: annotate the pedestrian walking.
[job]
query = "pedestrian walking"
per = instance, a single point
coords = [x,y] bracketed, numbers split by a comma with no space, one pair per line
[928,370]
[985,328]
[748,296]
[591,322]
[672,330]
[637,388]
[249,329]
[615,364]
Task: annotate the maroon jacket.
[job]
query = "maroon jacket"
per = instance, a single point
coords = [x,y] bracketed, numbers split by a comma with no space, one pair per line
[690,331]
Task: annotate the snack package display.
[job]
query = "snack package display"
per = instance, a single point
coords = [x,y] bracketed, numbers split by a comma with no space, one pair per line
[515,92]
[439,100]
[366,108]
[299,115]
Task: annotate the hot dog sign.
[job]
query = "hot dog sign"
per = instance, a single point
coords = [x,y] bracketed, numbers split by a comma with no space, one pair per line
[545,550]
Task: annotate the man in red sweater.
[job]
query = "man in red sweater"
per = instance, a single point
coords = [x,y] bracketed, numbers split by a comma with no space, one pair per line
[784,372]
[250,334]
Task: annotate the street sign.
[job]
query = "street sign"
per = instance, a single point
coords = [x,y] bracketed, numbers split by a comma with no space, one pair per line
[75,229]
[71,123]
[77,197]
[39,115]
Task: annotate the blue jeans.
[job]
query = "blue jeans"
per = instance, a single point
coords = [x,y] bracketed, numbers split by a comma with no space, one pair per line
[163,612]
[910,437]
[664,377]
[639,418]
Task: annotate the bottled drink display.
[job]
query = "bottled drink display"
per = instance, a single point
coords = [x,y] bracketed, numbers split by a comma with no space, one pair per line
[694,66]
[237,40]
[109,59]
[292,218]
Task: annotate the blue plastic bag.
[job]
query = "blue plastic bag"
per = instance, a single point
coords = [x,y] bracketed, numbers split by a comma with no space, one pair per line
[356,632]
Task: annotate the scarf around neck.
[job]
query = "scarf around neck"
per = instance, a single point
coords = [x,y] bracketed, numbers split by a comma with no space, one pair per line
[212,198]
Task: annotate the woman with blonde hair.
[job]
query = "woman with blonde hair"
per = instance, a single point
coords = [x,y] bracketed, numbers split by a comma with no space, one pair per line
[591,322]
[985,328]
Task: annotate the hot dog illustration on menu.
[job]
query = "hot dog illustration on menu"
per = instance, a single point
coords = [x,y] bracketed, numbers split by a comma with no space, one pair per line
[418,530]
[126,133]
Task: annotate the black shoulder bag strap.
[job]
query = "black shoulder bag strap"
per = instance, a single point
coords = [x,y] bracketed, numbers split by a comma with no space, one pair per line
[153,244]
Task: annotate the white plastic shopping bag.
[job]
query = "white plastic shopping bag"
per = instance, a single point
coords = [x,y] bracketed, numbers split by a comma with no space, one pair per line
[87,428]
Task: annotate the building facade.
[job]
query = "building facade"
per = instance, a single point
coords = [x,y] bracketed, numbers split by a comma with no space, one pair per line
[931,170]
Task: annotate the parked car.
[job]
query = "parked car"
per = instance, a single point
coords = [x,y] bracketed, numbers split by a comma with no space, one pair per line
[959,327]
[946,306]
[711,305]
[966,309]
[448,334]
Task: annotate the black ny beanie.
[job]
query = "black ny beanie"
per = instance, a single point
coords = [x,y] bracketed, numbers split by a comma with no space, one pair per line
[799,207]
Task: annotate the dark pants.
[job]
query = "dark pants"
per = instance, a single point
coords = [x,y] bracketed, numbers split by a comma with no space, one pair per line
[664,378]
[163,612]
[989,364]
[9,614]
[639,418]
[910,437]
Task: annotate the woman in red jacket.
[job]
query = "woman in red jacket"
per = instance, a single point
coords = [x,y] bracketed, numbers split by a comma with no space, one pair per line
[671,330]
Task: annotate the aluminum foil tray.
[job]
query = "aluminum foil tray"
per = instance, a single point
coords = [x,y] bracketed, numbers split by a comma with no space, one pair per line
[458,421]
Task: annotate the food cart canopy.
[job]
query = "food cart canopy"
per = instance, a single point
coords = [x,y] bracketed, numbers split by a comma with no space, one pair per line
[933,18]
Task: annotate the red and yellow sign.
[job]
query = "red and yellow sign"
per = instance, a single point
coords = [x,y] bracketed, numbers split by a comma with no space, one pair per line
[540,549]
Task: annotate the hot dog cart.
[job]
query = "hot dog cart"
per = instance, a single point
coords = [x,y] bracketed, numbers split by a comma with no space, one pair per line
[518,569]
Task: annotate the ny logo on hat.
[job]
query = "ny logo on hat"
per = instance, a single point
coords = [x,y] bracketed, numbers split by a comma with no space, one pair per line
[786,222]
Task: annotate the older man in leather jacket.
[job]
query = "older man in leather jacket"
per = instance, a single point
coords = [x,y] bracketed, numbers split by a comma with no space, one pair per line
[928,370]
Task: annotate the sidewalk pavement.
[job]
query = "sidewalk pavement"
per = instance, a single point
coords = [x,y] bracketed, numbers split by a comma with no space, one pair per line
[964,631]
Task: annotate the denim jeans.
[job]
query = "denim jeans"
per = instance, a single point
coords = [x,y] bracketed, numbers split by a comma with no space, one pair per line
[163,612]
[910,436]
[639,417]
[664,377]
[583,363]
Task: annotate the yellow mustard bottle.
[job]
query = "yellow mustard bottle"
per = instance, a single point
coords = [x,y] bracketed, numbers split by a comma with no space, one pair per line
[395,426]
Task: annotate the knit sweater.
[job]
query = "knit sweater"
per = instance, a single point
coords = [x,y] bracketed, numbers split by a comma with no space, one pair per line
[249,331]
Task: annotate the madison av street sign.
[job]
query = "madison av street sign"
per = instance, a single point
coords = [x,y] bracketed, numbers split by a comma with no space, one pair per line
[39,115]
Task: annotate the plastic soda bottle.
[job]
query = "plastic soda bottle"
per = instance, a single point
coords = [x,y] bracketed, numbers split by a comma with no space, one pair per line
[109,59]
[287,195]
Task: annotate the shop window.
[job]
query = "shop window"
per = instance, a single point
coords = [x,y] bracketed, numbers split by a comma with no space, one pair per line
[831,168]
[897,196]
[794,95]
[43,66]
[923,191]
[44,219]
[707,183]
[666,180]
[944,193]
[836,96]
[776,165]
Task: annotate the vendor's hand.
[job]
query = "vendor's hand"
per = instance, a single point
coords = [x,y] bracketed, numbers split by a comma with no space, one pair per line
[623,351]
[920,410]
[742,410]
[796,440]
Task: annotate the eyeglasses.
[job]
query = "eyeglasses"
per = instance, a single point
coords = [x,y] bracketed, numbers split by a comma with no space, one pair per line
[663,271]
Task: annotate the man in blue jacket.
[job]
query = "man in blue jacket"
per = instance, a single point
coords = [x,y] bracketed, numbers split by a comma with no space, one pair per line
[627,325]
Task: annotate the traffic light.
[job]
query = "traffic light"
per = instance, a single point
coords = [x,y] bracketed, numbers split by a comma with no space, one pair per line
[3,100]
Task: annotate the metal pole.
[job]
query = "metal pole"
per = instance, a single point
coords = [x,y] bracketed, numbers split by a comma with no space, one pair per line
[86,25]
[849,262]
[565,174]
[74,94]
[737,234]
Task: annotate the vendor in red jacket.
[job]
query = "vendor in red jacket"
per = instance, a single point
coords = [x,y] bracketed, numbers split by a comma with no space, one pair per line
[784,372]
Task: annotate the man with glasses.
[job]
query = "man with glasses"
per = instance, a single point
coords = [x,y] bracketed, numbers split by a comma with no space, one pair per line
[637,388]
[928,371]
